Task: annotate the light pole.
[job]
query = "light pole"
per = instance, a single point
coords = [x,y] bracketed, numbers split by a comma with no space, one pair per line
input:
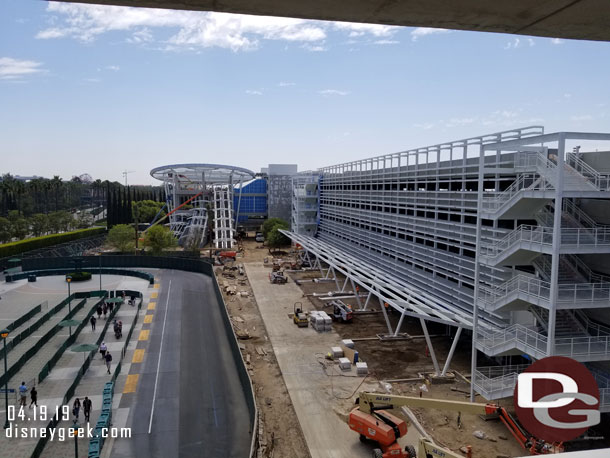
[69,280]
[4,334]
[75,432]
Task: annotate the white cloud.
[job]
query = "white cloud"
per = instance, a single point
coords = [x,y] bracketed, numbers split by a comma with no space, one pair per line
[114,68]
[517,43]
[14,68]
[194,29]
[358,30]
[313,48]
[92,80]
[285,84]
[557,41]
[253,92]
[513,44]
[332,92]
[425,126]
[423,31]
[386,42]
[586,117]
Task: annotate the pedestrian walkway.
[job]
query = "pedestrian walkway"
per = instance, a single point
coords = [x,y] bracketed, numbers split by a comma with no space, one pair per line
[52,390]
[92,385]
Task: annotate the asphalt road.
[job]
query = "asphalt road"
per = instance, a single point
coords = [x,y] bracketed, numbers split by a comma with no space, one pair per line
[199,407]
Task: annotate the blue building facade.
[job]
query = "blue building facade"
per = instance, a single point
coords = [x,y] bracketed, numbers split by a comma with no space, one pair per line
[252,209]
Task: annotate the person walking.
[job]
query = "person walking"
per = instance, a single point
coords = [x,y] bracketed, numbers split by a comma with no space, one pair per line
[93,321]
[103,350]
[34,397]
[99,311]
[76,410]
[108,361]
[23,392]
[105,310]
[110,307]
[87,408]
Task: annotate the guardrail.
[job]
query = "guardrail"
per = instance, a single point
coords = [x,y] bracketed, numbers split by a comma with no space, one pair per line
[67,270]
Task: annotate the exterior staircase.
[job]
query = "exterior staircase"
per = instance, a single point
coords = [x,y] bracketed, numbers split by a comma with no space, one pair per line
[223,218]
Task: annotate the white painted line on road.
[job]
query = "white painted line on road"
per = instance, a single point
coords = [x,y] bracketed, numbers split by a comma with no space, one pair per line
[152,410]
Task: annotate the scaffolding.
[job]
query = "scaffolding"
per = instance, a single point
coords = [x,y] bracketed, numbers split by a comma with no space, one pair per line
[207,188]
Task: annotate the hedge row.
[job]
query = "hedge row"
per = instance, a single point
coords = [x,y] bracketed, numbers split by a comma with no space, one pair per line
[14,248]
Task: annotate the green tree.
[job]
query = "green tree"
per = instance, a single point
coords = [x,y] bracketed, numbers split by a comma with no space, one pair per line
[122,237]
[5,230]
[276,239]
[271,223]
[157,238]
[19,226]
[145,210]
[40,224]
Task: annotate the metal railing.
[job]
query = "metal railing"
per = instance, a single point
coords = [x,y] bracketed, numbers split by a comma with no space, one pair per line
[600,180]
[534,343]
[525,182]
[573,293]
[543,236]
[494,382]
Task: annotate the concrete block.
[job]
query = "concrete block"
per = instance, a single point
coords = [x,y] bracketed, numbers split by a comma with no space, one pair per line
[345,364]
[362,368]
[336,352]
[349,343]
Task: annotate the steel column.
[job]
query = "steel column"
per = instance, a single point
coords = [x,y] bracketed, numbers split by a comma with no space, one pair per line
[430,348]
[451,351]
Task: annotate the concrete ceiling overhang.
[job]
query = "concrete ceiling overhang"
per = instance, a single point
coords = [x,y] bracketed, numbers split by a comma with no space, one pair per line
[577,19]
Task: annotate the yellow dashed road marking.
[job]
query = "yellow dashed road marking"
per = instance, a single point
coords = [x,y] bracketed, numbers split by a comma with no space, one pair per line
[154,295]
[138,356]
[144,334]
[148,319]
[152,306]
[156,285]
[130,383]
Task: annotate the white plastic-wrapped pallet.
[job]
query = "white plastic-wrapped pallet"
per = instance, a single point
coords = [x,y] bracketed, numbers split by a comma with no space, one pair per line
[336,352]
[362,368]
[345,364]
[349,343]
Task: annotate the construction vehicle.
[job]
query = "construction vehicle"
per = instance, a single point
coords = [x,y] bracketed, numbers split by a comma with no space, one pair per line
[372,421]
[342,312]
[300,317]
[278,278]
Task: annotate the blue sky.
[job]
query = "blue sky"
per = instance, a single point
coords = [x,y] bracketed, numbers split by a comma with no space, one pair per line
[92,89]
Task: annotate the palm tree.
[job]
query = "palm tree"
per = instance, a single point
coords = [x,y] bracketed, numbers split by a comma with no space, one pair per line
[56,185]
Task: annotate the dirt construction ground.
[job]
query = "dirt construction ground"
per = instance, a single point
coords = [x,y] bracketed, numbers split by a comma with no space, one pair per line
[282,434]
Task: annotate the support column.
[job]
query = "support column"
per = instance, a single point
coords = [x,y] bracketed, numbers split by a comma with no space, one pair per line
[385,315]
[344,284]
[561,146]
[475,306]
[366,303]
[430,348]
[451,351]
[356,293]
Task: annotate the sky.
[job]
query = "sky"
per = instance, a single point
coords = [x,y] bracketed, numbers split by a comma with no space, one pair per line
[102,90]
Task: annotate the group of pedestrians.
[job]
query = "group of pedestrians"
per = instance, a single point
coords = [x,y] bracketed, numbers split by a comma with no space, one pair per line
[23,395]
[106,356]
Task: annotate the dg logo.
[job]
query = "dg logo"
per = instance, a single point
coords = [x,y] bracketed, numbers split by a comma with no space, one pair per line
[557,399]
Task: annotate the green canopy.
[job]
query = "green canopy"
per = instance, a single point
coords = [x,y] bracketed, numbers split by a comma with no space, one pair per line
[69,323]
[83,348]
[114,300]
